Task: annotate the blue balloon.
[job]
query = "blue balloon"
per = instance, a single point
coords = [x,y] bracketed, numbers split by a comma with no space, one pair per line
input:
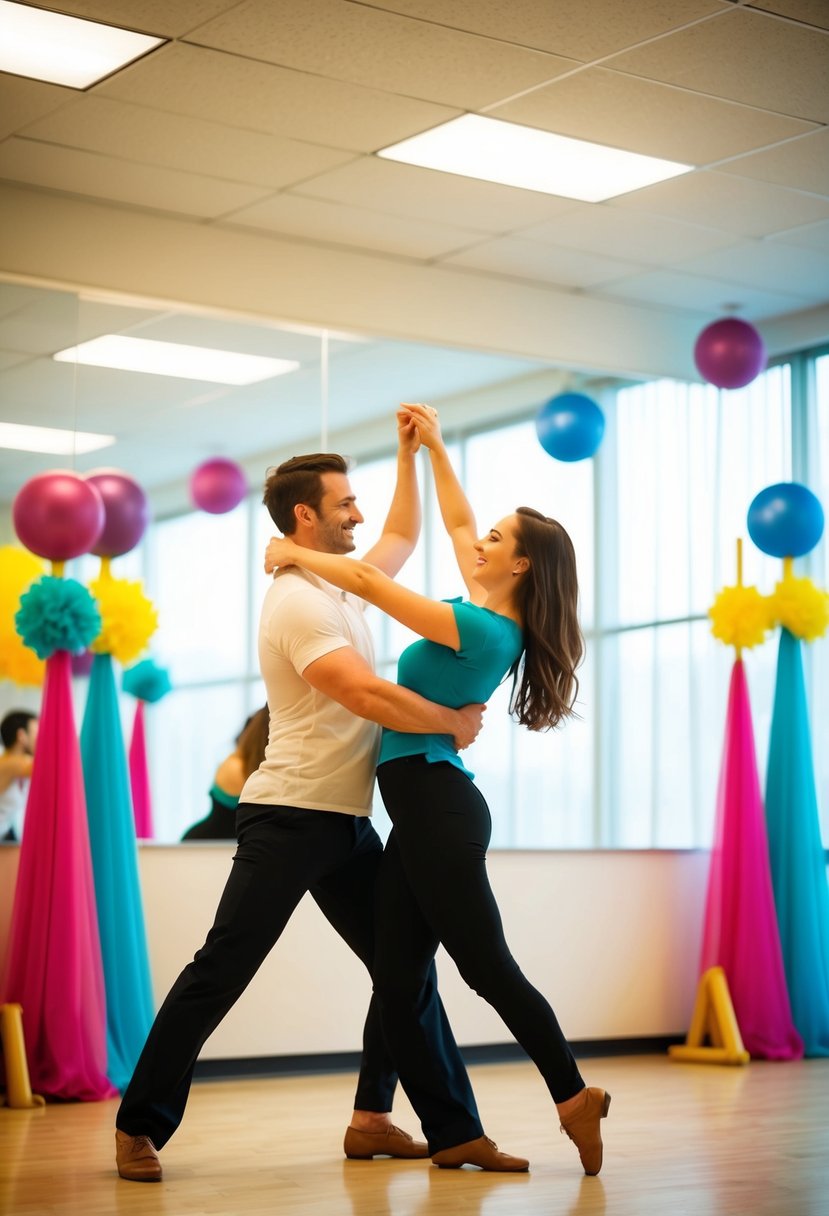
[570,426]
[785,520]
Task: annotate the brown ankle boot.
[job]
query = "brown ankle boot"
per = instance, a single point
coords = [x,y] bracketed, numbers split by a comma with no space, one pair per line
[584,1128]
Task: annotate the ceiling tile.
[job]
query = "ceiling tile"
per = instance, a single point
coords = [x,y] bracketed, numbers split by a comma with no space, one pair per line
[224,333]
[749,57]
[179,142]
[16,296]
[644,116]
[579,29]
[768,265]
[803,162]
[221,88]
[148,16]
[611,232]
[810,236]
[734,204]
[380,50]
[53,320]
[812,12]
[317,220]
[426,194]
[23,101]
[542,263]
[89,174]
[684,292]
[8,359]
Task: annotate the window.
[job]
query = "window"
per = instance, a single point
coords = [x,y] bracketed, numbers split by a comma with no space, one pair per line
[654,519]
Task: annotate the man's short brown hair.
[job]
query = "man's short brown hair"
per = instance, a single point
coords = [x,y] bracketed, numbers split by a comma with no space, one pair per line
[298,480]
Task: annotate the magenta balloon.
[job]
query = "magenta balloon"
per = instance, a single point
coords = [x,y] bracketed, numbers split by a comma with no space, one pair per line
[127,512]
[730,353]
[58,515]
[218,485]
[82,663]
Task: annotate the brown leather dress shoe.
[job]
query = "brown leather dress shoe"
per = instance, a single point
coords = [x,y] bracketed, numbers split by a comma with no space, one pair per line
[136,1158]
[481,1152]
[392,1142]
[584,1128]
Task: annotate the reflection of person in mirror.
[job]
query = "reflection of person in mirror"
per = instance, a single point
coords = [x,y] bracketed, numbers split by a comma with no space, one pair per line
[230,778]
[303,817]
[521,619]
[18,731]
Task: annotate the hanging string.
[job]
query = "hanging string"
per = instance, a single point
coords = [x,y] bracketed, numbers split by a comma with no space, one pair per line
[324,391]
[75,383]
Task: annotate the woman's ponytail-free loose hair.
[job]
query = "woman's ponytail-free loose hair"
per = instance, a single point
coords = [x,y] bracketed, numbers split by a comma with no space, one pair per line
[544,678]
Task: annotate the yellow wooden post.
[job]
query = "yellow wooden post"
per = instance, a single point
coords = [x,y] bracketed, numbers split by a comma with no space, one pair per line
[18,1089]
[713,1019]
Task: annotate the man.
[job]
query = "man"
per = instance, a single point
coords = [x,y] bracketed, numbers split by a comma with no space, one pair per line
[303,817]
[18,731]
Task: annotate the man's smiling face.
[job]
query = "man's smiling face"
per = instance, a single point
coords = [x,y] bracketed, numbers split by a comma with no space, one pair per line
[338,515]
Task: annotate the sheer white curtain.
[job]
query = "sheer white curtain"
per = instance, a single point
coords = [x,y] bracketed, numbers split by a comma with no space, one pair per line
[684,462]
[817,654]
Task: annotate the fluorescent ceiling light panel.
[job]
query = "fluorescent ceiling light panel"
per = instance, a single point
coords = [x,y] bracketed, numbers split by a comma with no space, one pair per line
[65,50]
[174,359]
[49,439]
[512,155]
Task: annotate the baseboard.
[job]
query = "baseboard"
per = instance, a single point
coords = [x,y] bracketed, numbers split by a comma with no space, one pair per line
[482,1053]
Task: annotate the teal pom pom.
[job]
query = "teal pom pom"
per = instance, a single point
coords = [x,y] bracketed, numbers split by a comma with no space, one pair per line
[57,614]
[147,681]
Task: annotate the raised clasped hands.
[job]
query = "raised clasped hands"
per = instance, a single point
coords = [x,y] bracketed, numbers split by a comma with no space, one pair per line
[425,421]
[408,436]
[280,552]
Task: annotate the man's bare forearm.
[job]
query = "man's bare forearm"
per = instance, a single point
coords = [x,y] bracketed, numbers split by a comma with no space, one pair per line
[401,709]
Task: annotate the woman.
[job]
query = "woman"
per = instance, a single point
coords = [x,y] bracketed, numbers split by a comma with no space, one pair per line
[521,619]
[229,779]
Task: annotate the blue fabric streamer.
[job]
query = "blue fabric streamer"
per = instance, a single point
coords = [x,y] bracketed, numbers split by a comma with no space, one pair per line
[798,865]
[147,681]
[57,614]
[127,980]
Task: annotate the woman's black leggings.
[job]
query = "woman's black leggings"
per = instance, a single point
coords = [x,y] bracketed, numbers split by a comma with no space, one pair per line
[433,888]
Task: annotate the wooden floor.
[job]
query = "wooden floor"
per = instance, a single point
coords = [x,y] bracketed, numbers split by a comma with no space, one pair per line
[705,1140]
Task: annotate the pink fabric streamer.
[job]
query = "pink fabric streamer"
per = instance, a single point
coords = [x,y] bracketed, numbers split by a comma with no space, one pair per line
[741,933]
[54,969]
[140,778]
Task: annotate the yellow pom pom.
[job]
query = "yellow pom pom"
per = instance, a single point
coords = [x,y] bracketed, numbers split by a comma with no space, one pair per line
[129,618]
[20,664]
[18,570]
[801,607]
[741,617]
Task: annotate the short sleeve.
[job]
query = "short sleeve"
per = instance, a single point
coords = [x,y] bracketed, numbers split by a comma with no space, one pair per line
[478,629]
[306,626]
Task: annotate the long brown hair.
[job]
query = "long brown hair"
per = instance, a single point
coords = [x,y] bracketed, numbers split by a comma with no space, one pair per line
[253,739]
[544,685]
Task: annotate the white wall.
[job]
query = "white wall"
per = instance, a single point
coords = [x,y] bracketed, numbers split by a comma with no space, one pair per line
[611,938]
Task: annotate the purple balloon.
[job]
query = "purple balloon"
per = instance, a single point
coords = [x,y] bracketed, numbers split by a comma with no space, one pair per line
[218,485]
[127,512]
[58,515]
[730,353]
[82,663]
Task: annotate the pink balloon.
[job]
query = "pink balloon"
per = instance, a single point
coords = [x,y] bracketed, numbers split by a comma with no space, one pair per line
[127,512]
[58,515]
[730,353]
[218,485]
